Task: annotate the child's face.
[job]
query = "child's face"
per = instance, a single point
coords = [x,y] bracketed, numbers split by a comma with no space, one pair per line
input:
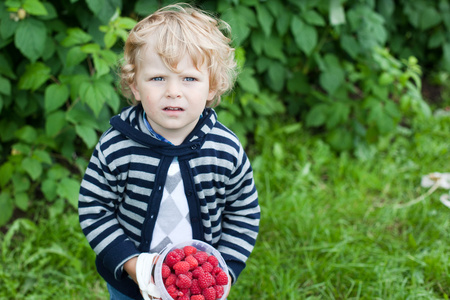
[172,101]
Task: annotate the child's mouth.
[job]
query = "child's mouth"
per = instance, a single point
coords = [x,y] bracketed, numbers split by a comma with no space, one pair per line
[173,108]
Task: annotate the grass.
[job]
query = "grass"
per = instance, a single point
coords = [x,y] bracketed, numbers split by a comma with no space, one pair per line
[330,227]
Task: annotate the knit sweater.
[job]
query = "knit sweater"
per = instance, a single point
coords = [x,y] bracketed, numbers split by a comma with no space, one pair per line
[121,193]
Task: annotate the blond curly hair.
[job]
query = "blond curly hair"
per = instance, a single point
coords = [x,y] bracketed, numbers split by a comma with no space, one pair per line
[178,30]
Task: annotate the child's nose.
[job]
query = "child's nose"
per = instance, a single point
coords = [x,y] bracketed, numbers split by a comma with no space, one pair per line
[173,89]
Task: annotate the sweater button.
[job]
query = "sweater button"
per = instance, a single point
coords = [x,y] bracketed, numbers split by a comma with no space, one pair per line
[193,147]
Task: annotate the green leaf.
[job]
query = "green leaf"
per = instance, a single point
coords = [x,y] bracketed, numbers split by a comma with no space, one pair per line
[277,76]
[32,167]
[305,35]
[49,187]
[8,27]
[95,94]
[258,41]
[35,75]
[110,39]
[317,115]
[5,86]
[5,67]
[30,38]
[145,7]
[75,36]
[54,123]
[69,189]
[350,45]
[42,156]
[21,200]
[75,56]
[35,7]
[298,83]
[6,171]
[247,82]
[101,66]
[273,47]
[6,208]
[340,139]
[87,134]
[338,114]
[313,18]
[265,19]
[27,134]
[104,9]
[240,21]
[430,17]
[55,96]
[333,76]
[337,14]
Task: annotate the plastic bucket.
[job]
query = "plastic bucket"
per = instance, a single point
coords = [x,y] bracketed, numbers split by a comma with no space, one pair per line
[201,246]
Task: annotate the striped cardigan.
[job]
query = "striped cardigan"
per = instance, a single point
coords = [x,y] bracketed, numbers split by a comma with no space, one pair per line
[122,188]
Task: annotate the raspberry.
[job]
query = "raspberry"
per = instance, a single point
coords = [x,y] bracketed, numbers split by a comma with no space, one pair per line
[219,291]
[197,297]
[209,293]
[201,257]
[213,260]
[165,270]
[184,297]
[207,267]
[205,280]
[216,271]
[180,252]
[183,282]
[186,292]
[195,288]
[222,278]
[197,271]
[170,280]
[181,267]
[189,250]
[192,261]
[172,291]
[172,258]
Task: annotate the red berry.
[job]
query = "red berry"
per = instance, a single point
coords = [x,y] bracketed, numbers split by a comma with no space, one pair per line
[213,260]
[197,271]
[222,278]
[201,257]
[184,297]
[189,250]
[170,280]
[209,293]
[165,270]
[195,288]
[192,261]
[181,267]
[207,267]
[172,291]
[183,282]
[172,258]
[216,271]
[219,291]
[205,280]
[197,297]
[180,252]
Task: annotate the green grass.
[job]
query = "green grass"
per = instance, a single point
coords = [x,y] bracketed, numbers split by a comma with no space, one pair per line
[330,227]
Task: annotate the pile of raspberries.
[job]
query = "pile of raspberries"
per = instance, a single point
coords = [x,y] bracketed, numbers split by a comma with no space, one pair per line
[191,274]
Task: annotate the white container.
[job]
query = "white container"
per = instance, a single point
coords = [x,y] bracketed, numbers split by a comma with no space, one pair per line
[201,246]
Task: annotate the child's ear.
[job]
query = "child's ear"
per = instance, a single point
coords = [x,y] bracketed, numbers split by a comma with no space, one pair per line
[211,94]
[135,91]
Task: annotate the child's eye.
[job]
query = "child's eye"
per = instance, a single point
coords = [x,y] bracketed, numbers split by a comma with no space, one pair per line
[190,79]
[156,79]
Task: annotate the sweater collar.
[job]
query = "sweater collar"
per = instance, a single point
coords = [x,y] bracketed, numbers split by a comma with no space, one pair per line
[130,122]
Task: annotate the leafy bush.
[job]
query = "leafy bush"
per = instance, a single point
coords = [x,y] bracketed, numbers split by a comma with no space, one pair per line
[322,62]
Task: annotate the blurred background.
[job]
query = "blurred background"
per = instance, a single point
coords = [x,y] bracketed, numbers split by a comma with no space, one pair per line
[342,106]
